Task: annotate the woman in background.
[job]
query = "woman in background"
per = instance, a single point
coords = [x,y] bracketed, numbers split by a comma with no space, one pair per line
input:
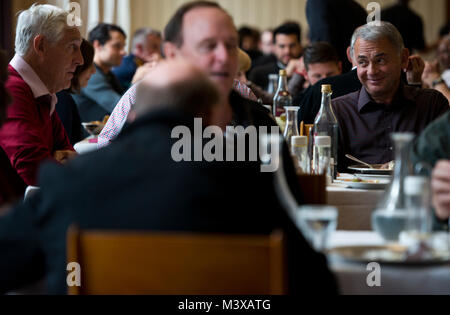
[66,108]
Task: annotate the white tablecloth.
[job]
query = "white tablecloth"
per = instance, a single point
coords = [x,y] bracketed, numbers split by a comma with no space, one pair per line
[352,277]
[355,206]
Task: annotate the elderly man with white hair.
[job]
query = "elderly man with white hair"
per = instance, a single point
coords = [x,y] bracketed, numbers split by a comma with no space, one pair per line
[47,54]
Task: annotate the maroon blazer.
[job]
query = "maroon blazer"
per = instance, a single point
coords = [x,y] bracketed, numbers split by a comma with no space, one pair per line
[30,135]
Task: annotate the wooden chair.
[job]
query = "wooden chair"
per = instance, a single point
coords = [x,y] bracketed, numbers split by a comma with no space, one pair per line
[182,263]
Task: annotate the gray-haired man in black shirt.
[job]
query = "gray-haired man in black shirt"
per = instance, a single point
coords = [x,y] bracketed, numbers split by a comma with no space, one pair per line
[384,104]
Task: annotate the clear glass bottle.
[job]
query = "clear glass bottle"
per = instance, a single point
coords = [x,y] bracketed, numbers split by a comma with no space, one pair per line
[326,124]
[322,156]
[299,147]
[273,84]
[291,124]
[390,217]
[282,97]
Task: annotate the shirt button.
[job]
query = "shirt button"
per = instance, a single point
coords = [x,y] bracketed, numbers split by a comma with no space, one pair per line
[391,148]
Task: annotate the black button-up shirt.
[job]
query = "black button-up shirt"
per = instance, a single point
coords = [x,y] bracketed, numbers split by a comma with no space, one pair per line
[365,126]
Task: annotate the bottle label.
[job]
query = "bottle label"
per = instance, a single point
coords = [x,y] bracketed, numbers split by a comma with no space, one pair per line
[279,111]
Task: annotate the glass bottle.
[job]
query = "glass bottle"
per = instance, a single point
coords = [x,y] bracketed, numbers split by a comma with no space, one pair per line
[273,84]
[390,217]
[291,124]
[282,97]
[322,156]
[299,146]
[326,124]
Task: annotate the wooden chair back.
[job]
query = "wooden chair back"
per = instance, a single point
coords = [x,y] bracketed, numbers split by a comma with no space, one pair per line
[177,263]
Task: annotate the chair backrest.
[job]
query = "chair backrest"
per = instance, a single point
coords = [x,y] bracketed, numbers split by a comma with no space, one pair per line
[177,263]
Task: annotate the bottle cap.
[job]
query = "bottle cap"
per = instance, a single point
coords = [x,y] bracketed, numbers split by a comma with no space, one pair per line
[326,88]
[283,73]
[299,141]
[416,185]
[322,141]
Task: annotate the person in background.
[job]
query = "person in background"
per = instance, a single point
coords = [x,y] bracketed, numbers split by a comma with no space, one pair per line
[12,186]
[384,104]
[248,42]
[408,23]
[220,64]
[240,83]
[287,49]
[437,73]
[266,47]
[266,43]
[433,148]
[104,90]
[47,55]
[320,61]
[334,22]
[146,48]
[66,108]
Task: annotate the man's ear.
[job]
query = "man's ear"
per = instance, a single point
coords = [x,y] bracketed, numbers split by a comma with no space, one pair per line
[349,55]
[39,45]
[404,58]
[96,45]
[139,49]
[170,50]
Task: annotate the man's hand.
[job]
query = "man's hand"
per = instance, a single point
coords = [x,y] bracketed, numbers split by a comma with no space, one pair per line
[142,71]
[414,70]
[440,184]
[295,65]
[430,73]
[64,156]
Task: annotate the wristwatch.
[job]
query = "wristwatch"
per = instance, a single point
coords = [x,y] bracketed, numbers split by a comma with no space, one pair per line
[438,81]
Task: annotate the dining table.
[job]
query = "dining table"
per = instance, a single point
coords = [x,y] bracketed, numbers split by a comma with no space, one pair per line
[355,206]
[357,278]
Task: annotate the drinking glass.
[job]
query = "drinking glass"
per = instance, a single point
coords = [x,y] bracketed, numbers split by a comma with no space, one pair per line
[317,223]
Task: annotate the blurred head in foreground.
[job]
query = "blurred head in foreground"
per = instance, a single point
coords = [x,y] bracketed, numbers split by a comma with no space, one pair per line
[178,85]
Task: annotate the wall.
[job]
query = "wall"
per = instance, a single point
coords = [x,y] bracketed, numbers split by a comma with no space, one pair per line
[261,13]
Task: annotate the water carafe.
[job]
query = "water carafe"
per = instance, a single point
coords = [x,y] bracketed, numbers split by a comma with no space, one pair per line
[391,215]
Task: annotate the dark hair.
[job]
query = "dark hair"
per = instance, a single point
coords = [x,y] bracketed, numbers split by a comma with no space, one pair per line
[246,31]
[102,33]
[319,52]
[173,29]
[288,28]
[87,51]
[5,98]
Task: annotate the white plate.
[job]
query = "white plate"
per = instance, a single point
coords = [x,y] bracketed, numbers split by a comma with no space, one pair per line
[389,254]
[382,184]
[373,177]
[366,170]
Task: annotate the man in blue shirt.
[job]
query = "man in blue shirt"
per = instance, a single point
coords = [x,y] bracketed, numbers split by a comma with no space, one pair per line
[146,48]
